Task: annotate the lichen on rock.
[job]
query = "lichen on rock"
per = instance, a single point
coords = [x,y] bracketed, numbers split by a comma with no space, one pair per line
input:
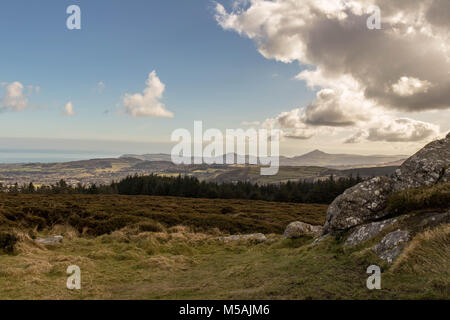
[391,246]
[367,231]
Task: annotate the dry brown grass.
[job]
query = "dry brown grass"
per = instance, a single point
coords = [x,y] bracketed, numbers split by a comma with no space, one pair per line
[179,263]
[101,214]
[428,252]
[67,231]
[183,258]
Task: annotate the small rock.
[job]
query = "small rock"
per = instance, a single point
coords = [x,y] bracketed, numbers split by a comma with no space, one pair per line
[258,237]
[391,254]
[391,246]
[435,219]
[297,229]
[50,241]
[367,231]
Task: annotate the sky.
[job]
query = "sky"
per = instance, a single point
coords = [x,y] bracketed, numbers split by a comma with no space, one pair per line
[138,69]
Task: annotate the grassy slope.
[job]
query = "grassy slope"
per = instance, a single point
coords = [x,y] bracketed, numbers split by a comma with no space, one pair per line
[180,263]
[194,266]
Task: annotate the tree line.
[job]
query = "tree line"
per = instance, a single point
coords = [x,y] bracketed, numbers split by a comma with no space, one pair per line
[302,191]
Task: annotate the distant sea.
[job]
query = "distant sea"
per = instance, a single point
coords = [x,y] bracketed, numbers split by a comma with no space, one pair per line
[49,156]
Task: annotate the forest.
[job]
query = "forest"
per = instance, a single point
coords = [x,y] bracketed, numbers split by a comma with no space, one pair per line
[320,191]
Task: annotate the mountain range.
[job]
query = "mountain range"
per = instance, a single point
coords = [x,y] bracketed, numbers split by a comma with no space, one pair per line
[314,158]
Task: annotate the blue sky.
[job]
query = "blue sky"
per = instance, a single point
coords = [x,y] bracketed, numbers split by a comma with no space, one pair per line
[210,74]
[210,71]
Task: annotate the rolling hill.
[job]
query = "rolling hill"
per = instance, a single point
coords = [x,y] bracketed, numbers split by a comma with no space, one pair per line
[314,158]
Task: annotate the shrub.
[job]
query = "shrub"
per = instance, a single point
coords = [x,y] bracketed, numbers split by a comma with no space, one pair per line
[150,226]
[7,242]
[226,210]
[35,221]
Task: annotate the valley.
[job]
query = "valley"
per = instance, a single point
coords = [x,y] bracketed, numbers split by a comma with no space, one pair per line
[312,166]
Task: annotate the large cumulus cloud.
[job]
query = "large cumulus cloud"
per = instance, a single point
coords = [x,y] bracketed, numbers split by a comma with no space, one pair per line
[361,75]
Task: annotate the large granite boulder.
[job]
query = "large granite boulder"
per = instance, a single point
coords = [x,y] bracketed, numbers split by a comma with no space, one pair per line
[427,167]
[358,205]
[297,229]
[367,201]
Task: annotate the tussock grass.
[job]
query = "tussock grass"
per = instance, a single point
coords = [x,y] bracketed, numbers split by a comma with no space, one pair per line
[428,252]
[435,197]
[179,263]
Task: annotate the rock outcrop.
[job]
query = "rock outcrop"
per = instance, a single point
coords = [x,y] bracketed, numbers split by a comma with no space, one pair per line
[427,167]
[297,229]
[393,243]
[362,211]
[367,231]
[367,201]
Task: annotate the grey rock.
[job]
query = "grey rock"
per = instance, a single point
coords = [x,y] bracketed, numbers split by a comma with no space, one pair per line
[258,237]
[367,201]
[297,229]
[392,245]
[427,167]
[390,255]
[360,204]
[367,231]
[50,241]
[434,219]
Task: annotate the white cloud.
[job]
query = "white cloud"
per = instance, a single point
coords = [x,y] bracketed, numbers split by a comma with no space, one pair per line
[397,130]
[360,73]
[410,86]
[14,97]
[100,87]
[332,36]
[250,123]
[298,134]
[148,103]
[68,109]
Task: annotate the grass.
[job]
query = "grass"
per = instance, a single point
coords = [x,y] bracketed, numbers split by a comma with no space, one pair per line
[178,263]
[100,214]
[169,249]
[435,197]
